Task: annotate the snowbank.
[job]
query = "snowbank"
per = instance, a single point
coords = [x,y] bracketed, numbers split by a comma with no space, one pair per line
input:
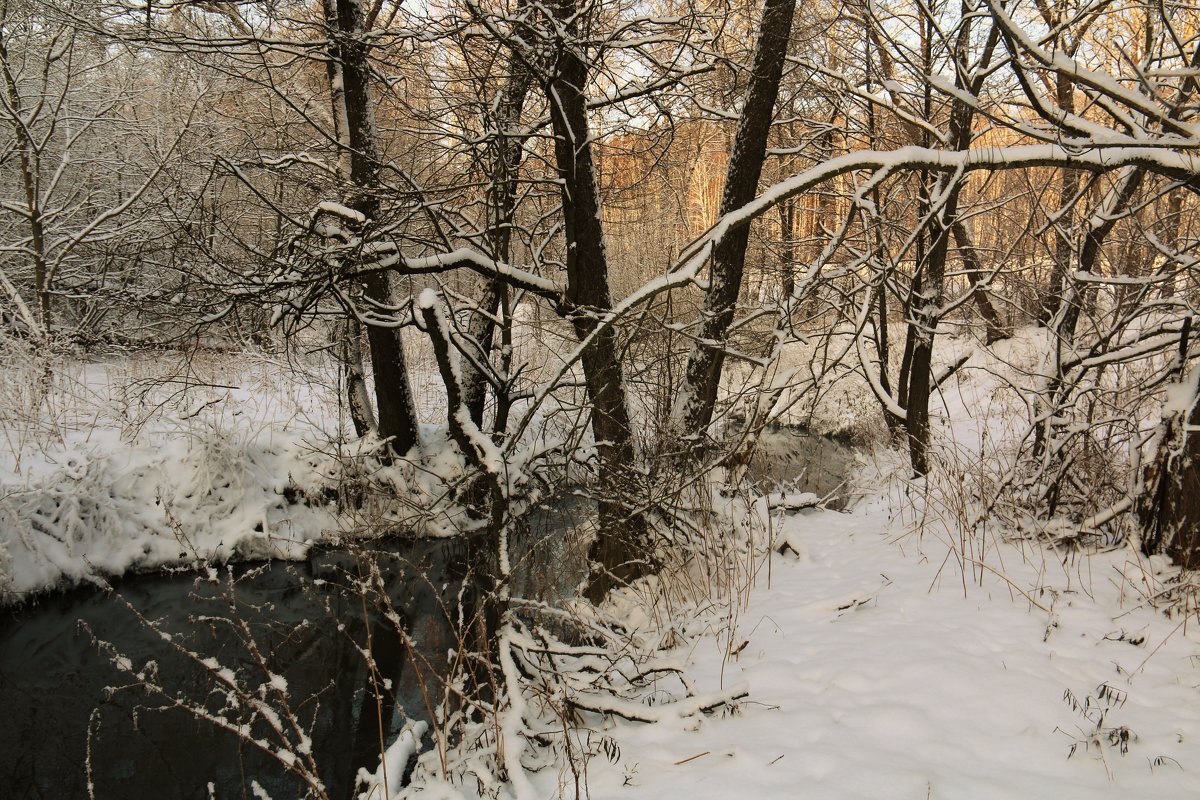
[183,501]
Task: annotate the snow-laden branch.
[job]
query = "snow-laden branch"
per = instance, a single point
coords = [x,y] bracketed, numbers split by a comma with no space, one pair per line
[1181,166]
[1105,85]
[387,255]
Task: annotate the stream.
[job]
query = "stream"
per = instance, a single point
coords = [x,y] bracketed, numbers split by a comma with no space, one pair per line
[70,716]
[305,618]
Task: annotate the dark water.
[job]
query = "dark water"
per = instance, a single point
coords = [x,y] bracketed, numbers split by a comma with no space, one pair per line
[793,459]
[307,621]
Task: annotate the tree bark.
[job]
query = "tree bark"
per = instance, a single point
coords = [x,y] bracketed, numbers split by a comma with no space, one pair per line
[928,288]
[620,552]
[502,206]
[1068,180]
[361,414]
[1171,225]
[1067,318]
[1168,507]
[30,159]
[995,327]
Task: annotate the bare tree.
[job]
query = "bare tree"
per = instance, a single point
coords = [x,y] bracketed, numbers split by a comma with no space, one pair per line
[65,104]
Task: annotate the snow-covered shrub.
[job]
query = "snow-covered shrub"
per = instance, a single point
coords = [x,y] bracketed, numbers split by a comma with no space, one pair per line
[207,497]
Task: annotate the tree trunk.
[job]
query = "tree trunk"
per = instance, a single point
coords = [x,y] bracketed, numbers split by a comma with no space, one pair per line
[787,235]
[1170,228]
[1169,505]
[30,159]
[361,413]
[620,552]
[1068,186]
[923,326]
[697,397]
[928,287]
[502,206]
[393,395]
[1102,224]
[1064,248]
[995,327]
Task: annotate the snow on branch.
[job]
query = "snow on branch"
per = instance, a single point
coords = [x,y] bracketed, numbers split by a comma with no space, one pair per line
[1158,159]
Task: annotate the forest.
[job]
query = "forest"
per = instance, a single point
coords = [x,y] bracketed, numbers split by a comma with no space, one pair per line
[409,399]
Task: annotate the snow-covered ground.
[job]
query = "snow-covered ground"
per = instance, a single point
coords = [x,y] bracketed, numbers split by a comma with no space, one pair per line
[874,671]
[895,657]
[891,658]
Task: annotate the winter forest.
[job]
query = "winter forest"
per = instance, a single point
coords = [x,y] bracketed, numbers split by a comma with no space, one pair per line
[599,399]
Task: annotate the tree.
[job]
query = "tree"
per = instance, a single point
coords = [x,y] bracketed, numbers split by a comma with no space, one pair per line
[348,25]
[65,103]
[697,397]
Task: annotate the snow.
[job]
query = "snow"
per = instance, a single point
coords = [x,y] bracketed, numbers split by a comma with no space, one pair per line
[883,653]
[1182,395]
[874,671]
[391,766]
[339,210]
[121,465]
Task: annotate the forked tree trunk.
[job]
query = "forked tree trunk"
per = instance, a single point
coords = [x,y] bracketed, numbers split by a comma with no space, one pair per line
[928,289]
[923,330]
[502,195]
[348,48]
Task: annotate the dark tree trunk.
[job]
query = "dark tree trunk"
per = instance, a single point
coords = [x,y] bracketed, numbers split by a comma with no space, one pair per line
[921,303]
[928,285]
[787,235]
[1064,248]
[1169,505]
[1174,525]
[1089,254]
[1068,185]
[502,195]
[923,327]
[620,552]
[699,394]
[1171,225]
[393,396]
[506,157]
